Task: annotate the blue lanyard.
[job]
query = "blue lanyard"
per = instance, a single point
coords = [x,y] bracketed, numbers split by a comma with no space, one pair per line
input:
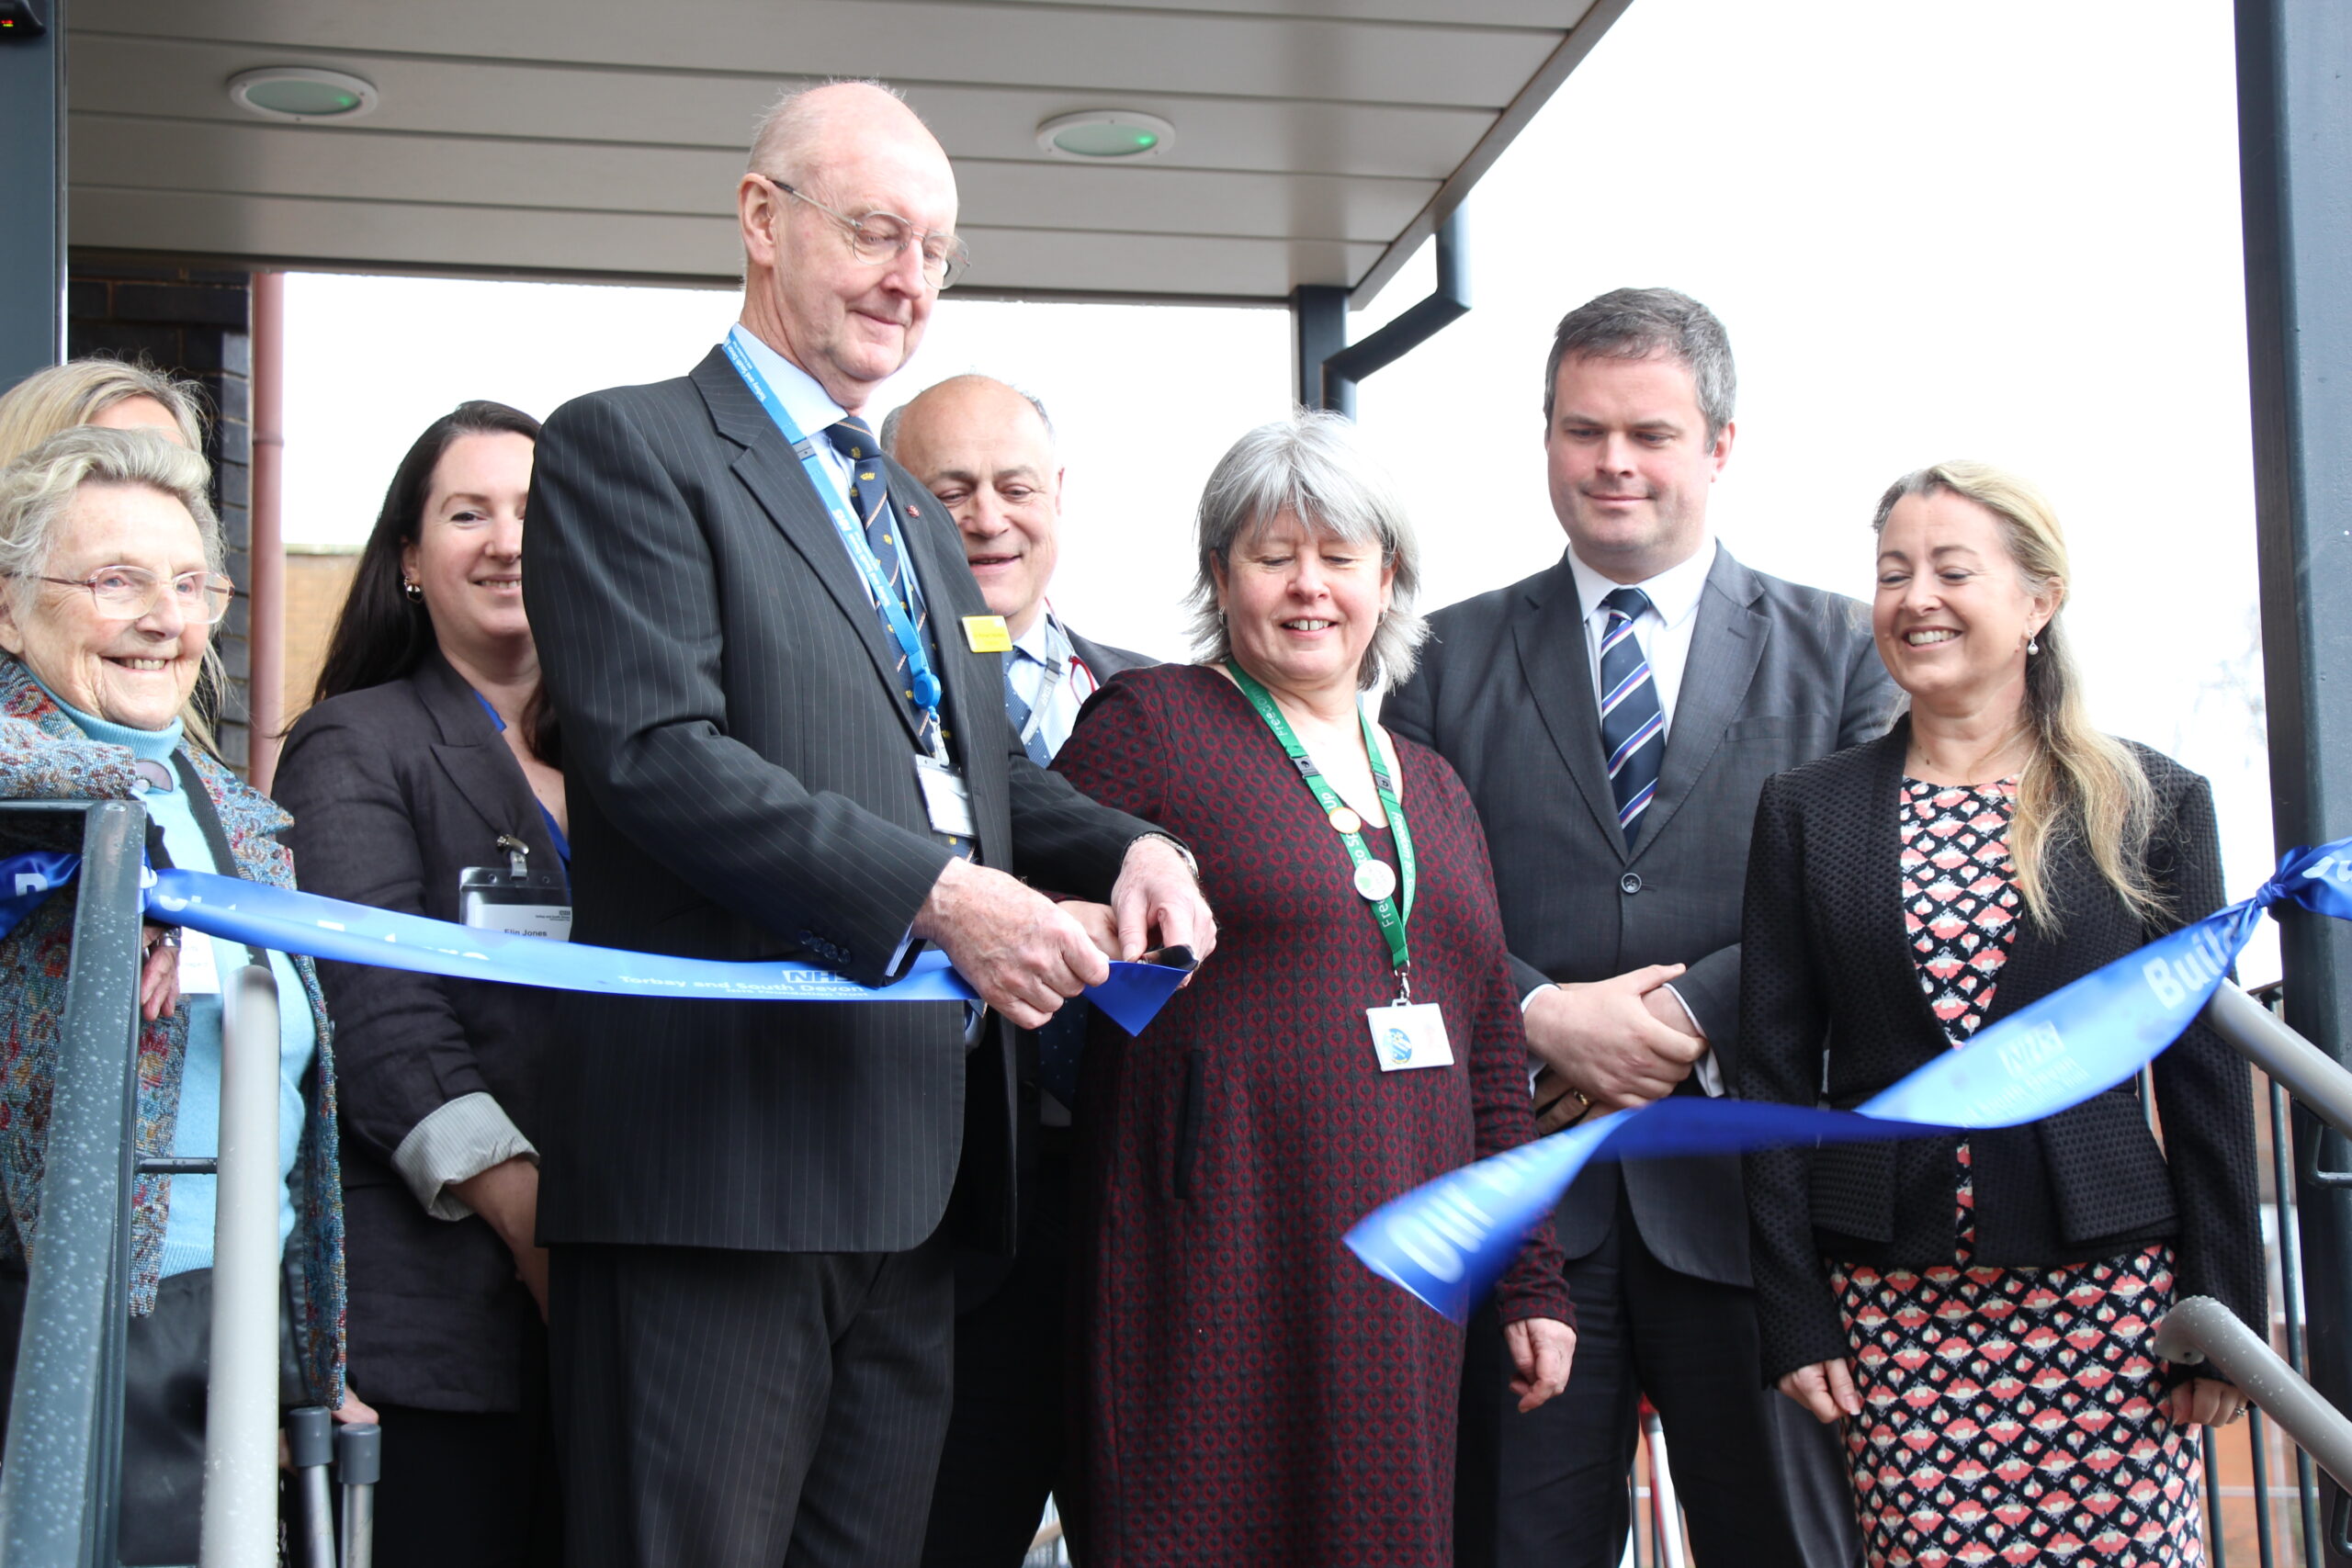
[555,828]
[877,582]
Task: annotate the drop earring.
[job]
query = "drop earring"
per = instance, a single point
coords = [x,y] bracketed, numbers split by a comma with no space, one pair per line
[2032,645]
[414,590]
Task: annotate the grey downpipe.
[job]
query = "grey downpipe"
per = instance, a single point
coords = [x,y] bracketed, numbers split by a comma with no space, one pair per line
[2201,1329]
[2319,1083]
[1427,316]
[241,1421]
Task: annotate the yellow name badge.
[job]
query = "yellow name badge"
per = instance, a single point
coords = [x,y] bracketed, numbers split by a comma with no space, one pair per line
[987,634]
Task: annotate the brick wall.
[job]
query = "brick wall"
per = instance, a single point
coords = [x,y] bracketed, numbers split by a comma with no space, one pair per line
[195,323]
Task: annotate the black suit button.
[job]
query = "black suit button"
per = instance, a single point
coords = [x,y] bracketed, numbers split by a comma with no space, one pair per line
[1630,883]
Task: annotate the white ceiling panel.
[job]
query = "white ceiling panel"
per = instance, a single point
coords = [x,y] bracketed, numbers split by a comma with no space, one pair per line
[1317,141]
[223,158]
[505,99]
[909,42]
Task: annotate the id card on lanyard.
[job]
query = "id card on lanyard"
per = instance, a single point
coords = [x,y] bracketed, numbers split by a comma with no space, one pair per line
[1406,1034]
[513,899]
[946,798]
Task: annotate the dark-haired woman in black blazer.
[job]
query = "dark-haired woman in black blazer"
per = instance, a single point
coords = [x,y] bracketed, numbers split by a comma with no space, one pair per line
[1979,1311]
[424,780]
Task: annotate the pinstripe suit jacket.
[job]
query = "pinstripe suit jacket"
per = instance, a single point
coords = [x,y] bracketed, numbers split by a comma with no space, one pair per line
[741,786]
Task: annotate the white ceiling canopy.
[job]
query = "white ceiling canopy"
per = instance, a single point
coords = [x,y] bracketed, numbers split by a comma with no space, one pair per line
[594,140]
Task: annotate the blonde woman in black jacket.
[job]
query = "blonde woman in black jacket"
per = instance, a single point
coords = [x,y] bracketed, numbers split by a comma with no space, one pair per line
[1978,1310]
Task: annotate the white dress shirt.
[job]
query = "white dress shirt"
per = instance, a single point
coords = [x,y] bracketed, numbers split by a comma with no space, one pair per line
[813,411]
[1663,632]
[1049,679]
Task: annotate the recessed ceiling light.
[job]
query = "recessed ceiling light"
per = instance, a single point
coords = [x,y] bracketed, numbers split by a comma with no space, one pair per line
[302,91]
[1104,136]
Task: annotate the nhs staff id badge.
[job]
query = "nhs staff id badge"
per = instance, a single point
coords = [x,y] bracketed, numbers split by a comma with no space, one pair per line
[199,970]
[529,904]
[1408,1035]
[945,797]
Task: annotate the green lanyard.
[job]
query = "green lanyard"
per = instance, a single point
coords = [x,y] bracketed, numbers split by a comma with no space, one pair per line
[1374,880]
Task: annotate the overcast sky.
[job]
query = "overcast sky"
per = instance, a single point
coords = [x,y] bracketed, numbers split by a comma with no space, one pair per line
[2007,229]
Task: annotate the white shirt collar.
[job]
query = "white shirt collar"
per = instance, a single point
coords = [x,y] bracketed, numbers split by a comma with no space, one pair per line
[1673,594]
[1043,639]
[811,407]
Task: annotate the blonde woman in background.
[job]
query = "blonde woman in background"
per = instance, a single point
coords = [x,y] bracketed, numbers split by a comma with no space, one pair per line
[109,393]
[1978,1310]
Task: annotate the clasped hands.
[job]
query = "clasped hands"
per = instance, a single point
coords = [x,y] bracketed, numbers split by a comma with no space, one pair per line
[1026,954]
[1620,1043]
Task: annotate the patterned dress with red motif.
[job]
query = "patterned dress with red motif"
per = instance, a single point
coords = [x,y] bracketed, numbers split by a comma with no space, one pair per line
[1248,1391]
[2010,1415]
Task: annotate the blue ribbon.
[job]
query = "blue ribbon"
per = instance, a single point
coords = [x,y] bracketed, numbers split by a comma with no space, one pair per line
[262,916]
[1448,1241]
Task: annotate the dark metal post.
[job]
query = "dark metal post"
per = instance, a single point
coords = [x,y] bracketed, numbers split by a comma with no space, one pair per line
[32,193]
[60,1485]
[2295,163]
[1330,366]
[1318,317]
[1445,305]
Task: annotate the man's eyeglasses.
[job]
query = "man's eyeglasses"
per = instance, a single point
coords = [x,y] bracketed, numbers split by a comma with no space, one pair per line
[883,237]
[127,592]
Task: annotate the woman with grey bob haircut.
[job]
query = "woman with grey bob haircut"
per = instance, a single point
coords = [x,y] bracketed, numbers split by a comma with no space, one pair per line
[114,590]
[1356,1035]
[1313,466]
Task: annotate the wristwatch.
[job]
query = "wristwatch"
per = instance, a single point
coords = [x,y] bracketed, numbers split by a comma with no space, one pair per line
[1186,856]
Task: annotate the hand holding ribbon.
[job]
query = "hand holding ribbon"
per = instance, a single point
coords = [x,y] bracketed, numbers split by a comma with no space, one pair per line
[1447,1241]
[266,916]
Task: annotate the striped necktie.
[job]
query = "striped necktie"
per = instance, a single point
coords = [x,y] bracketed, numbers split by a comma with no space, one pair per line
[870,490]
[1633,725]
[854,439]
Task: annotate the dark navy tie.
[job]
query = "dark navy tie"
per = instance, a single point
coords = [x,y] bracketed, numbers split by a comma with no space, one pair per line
[1633,725]
[854,439]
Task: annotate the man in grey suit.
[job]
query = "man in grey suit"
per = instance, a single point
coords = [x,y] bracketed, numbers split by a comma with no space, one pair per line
[1614,719]
[782,740]
[985,451]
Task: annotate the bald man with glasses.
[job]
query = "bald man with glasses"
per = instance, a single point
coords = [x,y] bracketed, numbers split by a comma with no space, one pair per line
[784,739]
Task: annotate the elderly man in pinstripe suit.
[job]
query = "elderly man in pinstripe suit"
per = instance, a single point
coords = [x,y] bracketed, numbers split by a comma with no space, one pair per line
[779,688]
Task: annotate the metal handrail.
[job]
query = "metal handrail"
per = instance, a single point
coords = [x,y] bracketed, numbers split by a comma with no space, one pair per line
[2201,1330]
[61,1482]
[2320,1084]
[241,1410]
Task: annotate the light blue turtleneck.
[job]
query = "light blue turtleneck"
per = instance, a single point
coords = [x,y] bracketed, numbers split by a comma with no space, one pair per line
[188,1233]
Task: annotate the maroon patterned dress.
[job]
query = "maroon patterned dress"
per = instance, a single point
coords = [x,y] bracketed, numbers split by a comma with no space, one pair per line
[1249,1392]
[2010,1415]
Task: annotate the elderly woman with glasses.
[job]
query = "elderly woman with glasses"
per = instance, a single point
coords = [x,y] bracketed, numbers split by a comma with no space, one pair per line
[1249,1392]
[110,587]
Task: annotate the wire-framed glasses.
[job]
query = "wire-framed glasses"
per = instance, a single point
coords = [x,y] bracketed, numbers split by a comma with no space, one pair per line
[127,592]
[882,237]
